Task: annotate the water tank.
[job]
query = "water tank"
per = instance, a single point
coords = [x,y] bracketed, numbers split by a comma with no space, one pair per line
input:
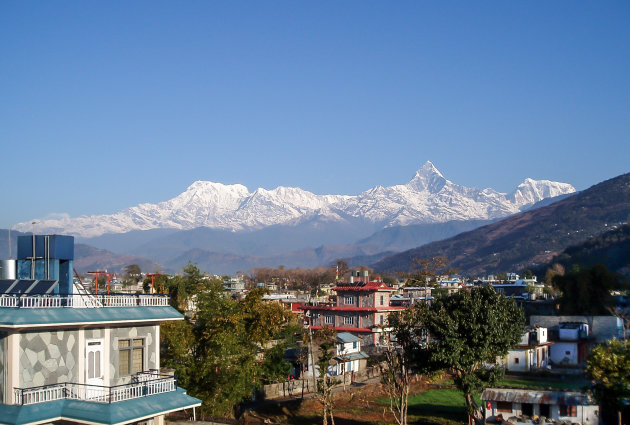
[8,269]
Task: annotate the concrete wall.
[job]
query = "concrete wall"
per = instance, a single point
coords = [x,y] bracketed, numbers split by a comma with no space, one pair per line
[3,362]
[603,328]
[558,353]
[48,357]
[297,387]
[522,365]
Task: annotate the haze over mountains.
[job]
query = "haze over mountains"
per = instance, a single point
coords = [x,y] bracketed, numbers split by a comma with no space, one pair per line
[225,228]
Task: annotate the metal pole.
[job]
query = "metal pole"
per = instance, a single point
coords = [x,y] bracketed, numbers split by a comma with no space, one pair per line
[33,259]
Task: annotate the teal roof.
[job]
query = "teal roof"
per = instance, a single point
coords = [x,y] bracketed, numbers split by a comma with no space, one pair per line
[347,337]
[99,413]
[25,317]
[353,356]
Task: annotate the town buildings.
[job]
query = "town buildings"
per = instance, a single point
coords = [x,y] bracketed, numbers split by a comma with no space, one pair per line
[361,308]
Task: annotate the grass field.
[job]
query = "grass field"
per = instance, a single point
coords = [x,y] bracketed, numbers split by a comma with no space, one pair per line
[442,406]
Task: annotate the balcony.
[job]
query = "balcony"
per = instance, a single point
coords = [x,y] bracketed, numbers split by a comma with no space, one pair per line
[144,384]
[83,301]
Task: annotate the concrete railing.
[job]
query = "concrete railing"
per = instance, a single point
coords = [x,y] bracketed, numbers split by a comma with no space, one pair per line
[142,385]
[83,301]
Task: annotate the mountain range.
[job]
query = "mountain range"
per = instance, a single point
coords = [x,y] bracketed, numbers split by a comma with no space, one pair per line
[531,238]
[427,198]
[225,228]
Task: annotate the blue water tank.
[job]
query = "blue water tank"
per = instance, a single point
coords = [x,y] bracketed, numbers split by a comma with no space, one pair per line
[54,255]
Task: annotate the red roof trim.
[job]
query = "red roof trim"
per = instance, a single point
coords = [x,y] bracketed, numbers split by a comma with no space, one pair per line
[340,328]
[340,308]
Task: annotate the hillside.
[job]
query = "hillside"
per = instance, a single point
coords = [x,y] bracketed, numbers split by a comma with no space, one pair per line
[530,238]
[611,249]
[90,258]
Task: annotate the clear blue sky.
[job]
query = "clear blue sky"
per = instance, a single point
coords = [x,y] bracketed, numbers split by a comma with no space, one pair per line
[105,104]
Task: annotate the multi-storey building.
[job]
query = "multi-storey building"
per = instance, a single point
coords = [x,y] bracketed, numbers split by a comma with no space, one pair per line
[361,308]
[68,356]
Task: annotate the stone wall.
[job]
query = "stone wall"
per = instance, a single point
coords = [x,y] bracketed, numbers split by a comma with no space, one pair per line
[48,357]
[3,361]
[367,300]
[298,387]
[150,345]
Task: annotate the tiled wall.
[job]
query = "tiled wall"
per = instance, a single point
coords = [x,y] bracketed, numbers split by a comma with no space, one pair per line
[48,357]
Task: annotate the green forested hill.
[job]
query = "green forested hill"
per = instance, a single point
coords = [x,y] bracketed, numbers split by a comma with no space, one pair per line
[611,249]
[531,238]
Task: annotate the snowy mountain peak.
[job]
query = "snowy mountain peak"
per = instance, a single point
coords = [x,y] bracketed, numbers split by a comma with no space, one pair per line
[428,178]
[428,198]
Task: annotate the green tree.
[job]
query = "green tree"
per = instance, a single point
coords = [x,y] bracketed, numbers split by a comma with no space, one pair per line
[326,340]
[215,354]
[468,330]
[588,291]
[399,358]
[274,366]
[609,368]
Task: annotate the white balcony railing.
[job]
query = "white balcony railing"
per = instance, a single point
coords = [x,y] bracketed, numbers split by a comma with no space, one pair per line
[83,301]
[142,385]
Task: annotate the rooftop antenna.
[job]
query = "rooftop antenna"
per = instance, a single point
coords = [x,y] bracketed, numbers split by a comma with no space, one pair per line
[10,252]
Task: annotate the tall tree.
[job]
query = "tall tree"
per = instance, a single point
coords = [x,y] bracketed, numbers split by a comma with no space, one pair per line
[403,346]
[326,339]
[608,367]
[216,354]
[468,330]
[587,291]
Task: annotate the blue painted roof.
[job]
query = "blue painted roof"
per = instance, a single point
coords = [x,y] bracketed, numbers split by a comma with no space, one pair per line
[101,413]
[353,356]
[347,337]
[25,317]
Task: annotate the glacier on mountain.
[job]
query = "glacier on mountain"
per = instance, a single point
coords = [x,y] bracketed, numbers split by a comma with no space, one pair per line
[427,198]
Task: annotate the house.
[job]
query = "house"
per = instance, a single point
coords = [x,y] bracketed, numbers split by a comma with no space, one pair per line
[524,406]
[531,354]
[68,356]
[574,336]
[349,356]
[361,308]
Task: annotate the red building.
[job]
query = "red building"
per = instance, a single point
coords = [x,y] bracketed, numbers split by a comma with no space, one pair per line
[361,308]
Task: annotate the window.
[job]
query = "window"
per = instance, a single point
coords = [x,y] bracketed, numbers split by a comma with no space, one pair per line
[349,299]
[504,406]
[516,360]
[381,319]
[131,353]
[567,353]
[330,320]
[544,410]
[382,300]
[527,409]
[568,410]
[354,345]
[348,320]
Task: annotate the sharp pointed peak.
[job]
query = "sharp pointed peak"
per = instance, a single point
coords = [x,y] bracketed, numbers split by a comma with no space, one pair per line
[428,168]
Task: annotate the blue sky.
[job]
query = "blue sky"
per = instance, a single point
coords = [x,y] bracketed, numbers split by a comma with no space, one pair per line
[105,105]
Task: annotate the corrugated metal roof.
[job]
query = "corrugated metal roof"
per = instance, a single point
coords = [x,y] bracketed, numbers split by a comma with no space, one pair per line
[347,337]
[535,396]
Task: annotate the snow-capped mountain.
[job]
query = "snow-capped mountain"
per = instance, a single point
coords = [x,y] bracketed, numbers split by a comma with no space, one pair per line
[428,198]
